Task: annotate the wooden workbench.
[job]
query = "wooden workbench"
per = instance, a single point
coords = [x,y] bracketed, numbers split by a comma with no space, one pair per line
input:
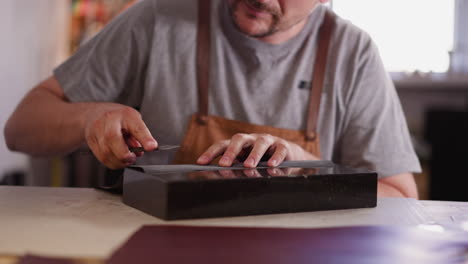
[87,223]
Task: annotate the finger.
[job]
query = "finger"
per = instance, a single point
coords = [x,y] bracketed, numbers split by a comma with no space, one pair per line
[135,126]
[237,144]
[133,143]
[114,162]
[116,154]
[107,157]
[280,154]
[213,152]
[114,139]
[261,146]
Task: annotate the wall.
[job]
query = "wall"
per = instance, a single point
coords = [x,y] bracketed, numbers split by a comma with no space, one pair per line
[33,41]
[419,97]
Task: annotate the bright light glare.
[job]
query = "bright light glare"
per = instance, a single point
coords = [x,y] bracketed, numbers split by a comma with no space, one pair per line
[411,35]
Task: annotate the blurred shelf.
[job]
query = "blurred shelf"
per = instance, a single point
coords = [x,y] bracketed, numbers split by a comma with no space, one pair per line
[435,82]
[90,16]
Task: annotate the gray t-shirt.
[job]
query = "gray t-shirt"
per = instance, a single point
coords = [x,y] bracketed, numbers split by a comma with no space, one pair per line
[146,59]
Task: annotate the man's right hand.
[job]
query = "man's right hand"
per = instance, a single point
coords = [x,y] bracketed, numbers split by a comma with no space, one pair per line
[112,129]
[45,123]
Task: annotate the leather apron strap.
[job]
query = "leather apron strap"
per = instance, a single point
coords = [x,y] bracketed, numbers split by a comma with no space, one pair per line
[203,57]
[318,78]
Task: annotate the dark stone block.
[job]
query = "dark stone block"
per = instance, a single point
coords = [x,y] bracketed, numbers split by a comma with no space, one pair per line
[203,194]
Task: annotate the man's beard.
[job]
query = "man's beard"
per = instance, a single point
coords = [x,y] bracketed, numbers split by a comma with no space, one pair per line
[272,28]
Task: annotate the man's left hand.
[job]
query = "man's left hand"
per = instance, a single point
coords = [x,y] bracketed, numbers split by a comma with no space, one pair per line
[252,148]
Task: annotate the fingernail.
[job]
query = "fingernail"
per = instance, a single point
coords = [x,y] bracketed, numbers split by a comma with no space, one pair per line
[250,162]
[224,161]
[151,144]
[202,159]
[274,163]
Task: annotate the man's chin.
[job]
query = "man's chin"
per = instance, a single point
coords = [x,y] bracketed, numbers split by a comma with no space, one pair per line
[254,33]
[255,29]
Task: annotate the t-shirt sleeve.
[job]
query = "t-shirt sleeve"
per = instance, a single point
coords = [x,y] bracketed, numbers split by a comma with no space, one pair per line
[111,66]
[376,135]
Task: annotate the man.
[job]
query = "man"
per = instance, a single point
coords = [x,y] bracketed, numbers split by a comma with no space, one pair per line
[262,56]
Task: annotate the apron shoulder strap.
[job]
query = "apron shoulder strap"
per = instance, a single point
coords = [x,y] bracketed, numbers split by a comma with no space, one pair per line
[203,57]
[318,78]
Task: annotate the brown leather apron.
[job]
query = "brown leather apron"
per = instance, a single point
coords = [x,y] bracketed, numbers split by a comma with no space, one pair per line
[204,130]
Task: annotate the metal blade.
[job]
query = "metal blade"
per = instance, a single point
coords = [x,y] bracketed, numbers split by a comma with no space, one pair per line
[160,148]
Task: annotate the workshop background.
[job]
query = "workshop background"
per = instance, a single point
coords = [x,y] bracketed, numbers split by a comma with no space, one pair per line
[423,43]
